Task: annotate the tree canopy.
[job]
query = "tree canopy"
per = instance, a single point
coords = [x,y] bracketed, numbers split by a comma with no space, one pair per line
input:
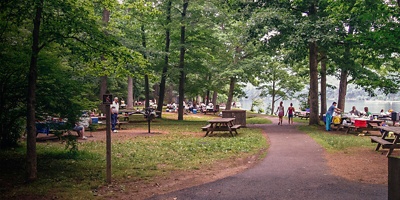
[67,53]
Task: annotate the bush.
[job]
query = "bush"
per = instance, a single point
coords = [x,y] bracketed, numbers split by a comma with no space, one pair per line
[71,144]
[11,132]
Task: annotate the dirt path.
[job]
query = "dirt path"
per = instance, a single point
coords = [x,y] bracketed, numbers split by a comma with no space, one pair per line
[294,168]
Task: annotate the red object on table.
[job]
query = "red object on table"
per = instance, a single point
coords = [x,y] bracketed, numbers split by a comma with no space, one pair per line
[360,123]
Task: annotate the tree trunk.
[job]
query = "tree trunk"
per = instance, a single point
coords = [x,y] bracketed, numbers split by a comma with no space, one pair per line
[232,83]
[103,79]
[342,88]
[207,94]
[313,84]
[198,100]
[31,156]
[214,99]
[146,91]
[345,72]
[166,60]
[130,94]
[207,97]
[323,85]
[273,95]
[103,90]
[146,77]
[182,62]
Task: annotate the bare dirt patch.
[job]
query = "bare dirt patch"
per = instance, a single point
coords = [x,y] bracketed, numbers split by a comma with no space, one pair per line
[358,164]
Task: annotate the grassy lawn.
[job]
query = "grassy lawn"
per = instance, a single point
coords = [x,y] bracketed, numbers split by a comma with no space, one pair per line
[74,175]
[337,140]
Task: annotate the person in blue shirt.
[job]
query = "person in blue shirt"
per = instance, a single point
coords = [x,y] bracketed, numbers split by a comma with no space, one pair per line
[329,114]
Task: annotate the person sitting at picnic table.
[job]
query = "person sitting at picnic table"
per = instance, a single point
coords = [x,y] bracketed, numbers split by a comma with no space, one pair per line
[80,129]
[383,124]
[329,114]
[354,111]
[367,113]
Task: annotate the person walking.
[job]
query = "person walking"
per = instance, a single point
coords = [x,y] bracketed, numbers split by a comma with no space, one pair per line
[114,114]
[329,114]
[289,113]
[281,112]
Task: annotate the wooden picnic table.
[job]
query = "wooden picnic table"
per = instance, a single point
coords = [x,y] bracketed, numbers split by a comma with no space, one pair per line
[385,142]
[221,124]
[370,125]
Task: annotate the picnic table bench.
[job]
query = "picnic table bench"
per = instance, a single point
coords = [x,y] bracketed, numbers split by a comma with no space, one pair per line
[369,125]
[221,124]
[387,143]
[119,123]
[210,111]
[304,115]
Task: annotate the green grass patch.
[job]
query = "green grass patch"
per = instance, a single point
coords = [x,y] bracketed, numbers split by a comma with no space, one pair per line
[252,118]
[336,140]
[69,175]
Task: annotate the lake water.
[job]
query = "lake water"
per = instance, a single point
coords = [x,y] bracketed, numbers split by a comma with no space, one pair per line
[373,106]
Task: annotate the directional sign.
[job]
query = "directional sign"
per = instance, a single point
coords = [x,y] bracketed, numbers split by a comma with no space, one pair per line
[107,99]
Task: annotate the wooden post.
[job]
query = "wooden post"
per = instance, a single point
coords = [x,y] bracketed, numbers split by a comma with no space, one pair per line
[393,178]
[107,98]
[108,142]
[148,124]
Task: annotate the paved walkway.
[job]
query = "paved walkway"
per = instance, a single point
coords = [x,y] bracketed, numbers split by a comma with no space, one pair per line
[294,168]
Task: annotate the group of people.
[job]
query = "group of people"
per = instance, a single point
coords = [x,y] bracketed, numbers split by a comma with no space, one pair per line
[333,109]
[355,112]
[280,111]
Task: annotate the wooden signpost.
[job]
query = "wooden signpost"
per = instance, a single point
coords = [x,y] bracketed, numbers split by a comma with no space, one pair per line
[107,100]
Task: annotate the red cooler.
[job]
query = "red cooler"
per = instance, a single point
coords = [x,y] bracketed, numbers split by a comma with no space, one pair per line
[360,123]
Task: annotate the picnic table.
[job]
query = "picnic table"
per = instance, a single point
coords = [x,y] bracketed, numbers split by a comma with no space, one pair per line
[211,110]
[363,125]
[304,115]
[49,127]
[221,124]
[384,141]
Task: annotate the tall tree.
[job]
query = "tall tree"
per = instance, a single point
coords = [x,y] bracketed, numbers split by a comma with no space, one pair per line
[31,159]
[277,80]
[323,84]
[182,60]
[166,57]
[65,23]
[295,26]
[103,79]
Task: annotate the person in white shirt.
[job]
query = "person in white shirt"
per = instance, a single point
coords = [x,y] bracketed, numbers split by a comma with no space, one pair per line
[114,114]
